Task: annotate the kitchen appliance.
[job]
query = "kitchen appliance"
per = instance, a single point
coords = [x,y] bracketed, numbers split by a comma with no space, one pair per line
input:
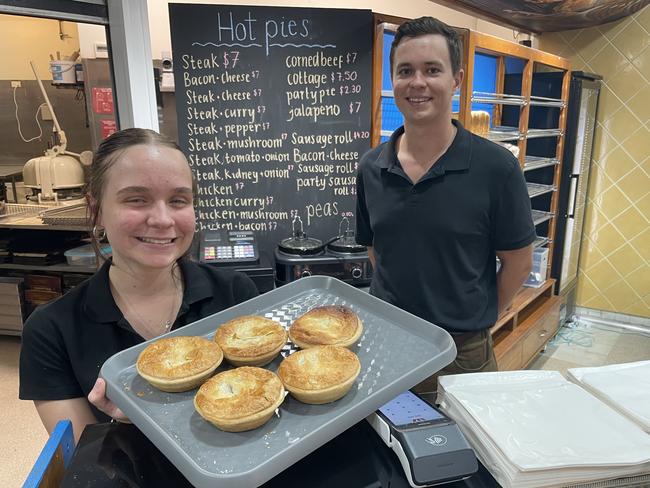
[56,175]
[429,445]
[581,122]
[340,257]
[167,78]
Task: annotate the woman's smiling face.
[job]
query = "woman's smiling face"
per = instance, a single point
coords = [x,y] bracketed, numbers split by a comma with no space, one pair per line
[147,207]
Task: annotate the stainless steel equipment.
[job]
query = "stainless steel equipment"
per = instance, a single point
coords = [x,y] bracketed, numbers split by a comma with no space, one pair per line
[57,173]
[299,244]
[581,122]
[340,257]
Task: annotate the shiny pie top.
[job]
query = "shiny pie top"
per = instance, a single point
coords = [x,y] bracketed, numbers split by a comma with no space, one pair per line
[250,336]
[239,393]
[178,357]
[333,325]
[319,367]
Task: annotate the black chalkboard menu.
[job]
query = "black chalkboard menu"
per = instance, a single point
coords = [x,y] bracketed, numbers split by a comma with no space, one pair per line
[274,113]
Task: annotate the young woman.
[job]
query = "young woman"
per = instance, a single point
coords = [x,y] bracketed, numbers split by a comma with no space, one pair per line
[140,196]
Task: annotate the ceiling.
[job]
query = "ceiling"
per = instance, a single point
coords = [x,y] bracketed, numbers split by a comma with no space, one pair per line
[547,15]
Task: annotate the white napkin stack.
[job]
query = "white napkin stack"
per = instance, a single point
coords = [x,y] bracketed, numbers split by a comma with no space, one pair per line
[624,387]
[536,429]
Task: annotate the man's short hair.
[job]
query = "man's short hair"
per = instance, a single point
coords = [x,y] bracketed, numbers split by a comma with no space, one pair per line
[426,26]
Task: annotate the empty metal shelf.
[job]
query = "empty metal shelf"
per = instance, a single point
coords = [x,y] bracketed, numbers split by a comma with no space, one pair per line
[535,162]
[498,98]
[533,133]
[503,133]
[535,189]
[547,102]
[540,241]
[539,216]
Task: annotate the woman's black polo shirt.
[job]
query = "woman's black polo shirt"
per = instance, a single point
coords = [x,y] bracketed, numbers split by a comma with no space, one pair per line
[435,241]
[66,342]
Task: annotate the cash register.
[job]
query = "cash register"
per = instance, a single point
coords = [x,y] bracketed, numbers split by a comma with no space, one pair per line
[237,249]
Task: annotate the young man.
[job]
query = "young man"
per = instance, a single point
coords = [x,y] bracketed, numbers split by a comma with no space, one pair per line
[436,204]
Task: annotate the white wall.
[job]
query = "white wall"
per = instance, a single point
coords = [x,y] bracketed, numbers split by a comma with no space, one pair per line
[89,35]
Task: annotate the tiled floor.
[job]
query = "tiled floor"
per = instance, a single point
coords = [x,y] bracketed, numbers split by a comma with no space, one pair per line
[592,344]
[23,436]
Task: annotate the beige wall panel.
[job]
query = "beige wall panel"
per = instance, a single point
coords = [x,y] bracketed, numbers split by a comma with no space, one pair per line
[26,38]
[618,215]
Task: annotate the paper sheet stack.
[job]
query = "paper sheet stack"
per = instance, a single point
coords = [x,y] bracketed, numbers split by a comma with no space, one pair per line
[536,429]
[624,387]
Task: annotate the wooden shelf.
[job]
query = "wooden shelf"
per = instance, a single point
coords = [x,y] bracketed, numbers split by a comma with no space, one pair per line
[533,317]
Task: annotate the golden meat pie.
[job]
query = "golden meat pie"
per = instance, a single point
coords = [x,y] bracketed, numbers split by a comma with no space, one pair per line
[328,325]
[240,399]
[319,374]
[178,363]
[250,340]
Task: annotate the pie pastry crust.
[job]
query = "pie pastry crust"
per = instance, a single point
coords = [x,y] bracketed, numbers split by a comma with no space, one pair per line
[240,399]
[319,374]
[329,325]
[178,363]
[251,340]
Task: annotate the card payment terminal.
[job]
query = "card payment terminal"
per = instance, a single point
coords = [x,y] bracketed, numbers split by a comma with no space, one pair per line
[228,247]
[429,445]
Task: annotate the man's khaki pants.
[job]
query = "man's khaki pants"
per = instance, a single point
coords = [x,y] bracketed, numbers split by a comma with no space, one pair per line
[475,353]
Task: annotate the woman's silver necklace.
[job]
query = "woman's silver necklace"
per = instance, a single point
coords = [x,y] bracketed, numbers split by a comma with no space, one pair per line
[167,325]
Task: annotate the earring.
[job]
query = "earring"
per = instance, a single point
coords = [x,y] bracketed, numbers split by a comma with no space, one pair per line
[99,233]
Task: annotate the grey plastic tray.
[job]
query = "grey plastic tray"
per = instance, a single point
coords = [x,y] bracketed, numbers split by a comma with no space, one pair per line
[397,350]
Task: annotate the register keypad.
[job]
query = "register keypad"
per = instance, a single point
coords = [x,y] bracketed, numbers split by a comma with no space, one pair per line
[239,251]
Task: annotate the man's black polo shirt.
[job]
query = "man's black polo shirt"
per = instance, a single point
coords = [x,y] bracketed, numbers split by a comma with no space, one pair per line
[435,241]
[66,342]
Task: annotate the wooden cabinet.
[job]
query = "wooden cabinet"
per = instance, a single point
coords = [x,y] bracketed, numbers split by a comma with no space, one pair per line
[524,330]
[506,83]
